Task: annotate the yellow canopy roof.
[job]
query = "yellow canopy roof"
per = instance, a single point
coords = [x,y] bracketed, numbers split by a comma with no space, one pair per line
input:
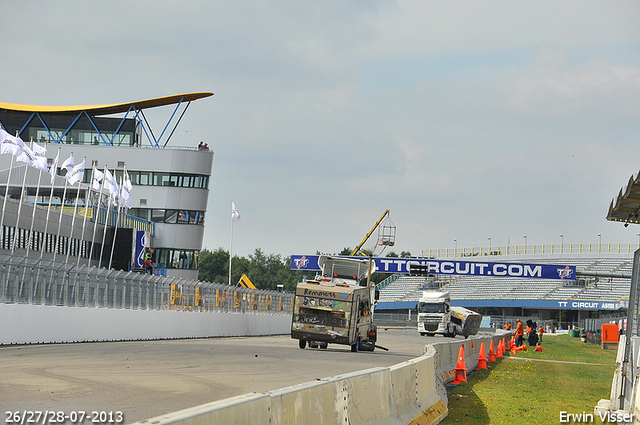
[115,108]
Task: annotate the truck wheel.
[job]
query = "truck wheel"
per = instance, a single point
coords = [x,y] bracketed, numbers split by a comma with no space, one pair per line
[355,346]
[324,345]
[422,333]
[302,343]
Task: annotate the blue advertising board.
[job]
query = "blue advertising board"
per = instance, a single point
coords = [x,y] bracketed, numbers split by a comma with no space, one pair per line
[520,302]
[453,267]
[141,242]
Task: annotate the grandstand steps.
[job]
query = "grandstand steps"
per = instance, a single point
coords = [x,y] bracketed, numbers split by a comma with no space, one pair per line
[409,288]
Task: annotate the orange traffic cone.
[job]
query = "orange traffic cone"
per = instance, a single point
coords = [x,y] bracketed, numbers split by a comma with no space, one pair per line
[492,353]
[512,343]
[514,350]
[482,358]
[538,348]
[499,352]
[461,368]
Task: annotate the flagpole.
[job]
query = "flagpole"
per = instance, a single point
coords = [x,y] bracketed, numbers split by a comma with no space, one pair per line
[4,202]
[106,220]
[97,217]
[6,191]
[33,216]
[24,183]
[84,223]
[113,244]
[64,195]
[52,171]
[57,240]
[35,204]
[75,213]
[230,249]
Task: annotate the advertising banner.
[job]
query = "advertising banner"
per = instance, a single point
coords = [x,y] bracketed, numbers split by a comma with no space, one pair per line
[140,242]
[454,267]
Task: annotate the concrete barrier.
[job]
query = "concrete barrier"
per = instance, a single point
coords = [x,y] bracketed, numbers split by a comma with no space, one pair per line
[31,324]
[412,392]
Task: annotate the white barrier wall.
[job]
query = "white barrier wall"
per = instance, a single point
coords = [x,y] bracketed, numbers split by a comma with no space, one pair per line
[28,323]
[412,392]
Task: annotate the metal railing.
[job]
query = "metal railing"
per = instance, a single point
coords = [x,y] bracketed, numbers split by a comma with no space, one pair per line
[61,284]
[542,249]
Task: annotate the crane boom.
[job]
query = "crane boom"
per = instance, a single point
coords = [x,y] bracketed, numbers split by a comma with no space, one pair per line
[366,238]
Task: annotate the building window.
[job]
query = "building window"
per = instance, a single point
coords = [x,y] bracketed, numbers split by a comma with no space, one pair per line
[169,216]
[178,258]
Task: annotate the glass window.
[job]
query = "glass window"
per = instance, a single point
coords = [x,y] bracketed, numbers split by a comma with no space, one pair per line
[197,181]
[145,178]
[157,216]
[162,256]
[178,258]
[173,180]
[171,216]
[186,181]
[183,216]
[134,176]
[161,179]
[143,213]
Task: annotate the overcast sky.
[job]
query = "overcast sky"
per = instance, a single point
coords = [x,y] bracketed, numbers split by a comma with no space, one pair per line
[468,120]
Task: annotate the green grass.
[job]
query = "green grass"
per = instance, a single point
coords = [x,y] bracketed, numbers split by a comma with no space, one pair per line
[522,392]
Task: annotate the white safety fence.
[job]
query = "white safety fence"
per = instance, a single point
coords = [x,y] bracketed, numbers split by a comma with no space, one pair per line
[58,302]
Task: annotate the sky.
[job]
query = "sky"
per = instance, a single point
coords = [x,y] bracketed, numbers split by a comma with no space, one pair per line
[467,120]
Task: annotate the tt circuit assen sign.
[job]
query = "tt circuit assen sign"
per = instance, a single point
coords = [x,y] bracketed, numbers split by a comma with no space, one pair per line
[448,267]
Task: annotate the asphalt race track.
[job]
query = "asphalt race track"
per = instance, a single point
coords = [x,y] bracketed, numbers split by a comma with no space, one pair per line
[148,378]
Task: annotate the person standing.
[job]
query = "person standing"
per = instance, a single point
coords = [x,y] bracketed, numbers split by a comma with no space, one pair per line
[540,332]
[519,333]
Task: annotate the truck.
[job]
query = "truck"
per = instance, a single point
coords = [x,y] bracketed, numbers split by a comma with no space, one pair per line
[336,306]
[437,316]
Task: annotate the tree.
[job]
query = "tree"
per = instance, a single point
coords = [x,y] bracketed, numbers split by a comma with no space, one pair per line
[214,266]
[345,251]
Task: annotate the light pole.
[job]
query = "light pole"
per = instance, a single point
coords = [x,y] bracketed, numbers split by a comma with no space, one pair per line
[455,252]
[561,243]
[599,244]
[489,244]
[525,244]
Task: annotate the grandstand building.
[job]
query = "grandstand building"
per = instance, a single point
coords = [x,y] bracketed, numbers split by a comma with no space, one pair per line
[549,299]
[170,185]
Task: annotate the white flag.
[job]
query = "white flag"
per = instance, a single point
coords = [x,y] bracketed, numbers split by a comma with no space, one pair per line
[54,167]
[76,174]
[97,178]
[10,144]
[68,164]
[110,183]
[40,158]
[126,190]
[235,215]
[26,155]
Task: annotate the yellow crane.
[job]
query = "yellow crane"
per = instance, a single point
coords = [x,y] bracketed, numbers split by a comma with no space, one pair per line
[386,234]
